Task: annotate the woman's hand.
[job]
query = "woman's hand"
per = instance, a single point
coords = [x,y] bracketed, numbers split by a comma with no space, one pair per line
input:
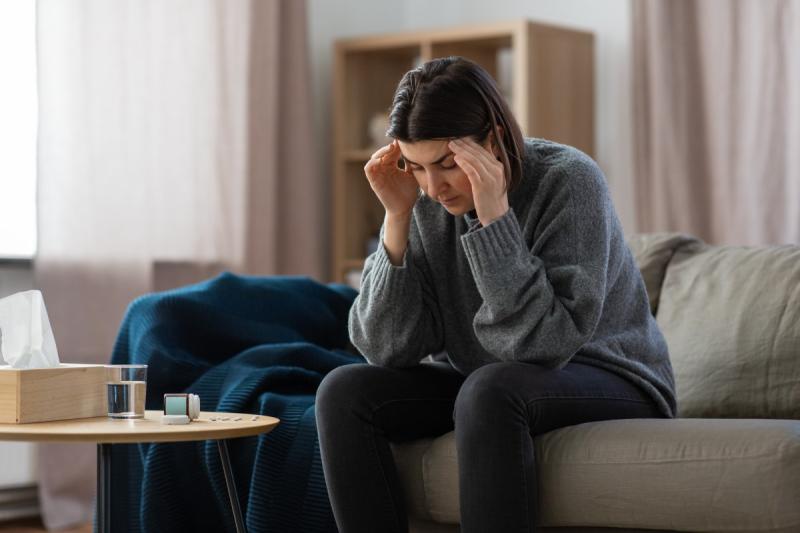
[396,189]
[486,176]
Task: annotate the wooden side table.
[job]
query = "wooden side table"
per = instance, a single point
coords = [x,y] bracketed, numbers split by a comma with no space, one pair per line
[106,432]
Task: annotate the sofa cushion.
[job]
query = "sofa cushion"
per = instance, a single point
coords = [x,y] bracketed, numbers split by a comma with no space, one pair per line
[653,252]
[731,318]
[712,475]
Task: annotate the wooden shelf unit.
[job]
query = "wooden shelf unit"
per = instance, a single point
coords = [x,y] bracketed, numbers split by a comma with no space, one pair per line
[551,86]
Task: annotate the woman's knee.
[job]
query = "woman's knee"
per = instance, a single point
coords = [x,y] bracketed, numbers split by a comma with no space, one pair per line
[491,390]
[341,383]
[348,388]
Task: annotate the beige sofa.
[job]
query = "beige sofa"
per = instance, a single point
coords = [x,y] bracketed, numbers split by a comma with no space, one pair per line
[729,463]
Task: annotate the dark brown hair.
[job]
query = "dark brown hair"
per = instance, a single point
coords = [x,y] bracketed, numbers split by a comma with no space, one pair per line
[452,97]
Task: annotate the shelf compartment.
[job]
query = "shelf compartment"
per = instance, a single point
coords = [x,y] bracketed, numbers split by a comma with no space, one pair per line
[368,89]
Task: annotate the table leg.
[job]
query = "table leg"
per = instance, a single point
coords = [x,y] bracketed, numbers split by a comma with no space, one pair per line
[222,446]
[103,488]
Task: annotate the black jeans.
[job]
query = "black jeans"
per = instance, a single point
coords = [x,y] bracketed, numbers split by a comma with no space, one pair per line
[496,412]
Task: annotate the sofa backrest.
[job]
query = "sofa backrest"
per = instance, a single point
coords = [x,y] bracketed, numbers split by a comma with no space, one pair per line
[731,318]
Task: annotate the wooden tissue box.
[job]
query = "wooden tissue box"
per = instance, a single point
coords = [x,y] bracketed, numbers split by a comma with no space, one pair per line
[43,394]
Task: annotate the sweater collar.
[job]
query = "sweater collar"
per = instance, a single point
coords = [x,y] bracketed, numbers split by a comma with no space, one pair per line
[472,220]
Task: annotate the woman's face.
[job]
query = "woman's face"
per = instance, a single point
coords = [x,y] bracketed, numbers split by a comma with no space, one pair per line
[431,163]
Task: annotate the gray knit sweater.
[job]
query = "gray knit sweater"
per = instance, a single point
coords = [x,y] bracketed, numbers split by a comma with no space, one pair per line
[550,282]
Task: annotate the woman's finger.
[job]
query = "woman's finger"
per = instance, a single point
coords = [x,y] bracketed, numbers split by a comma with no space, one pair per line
[486,157]
[391,156]
[369,168]
[490,160]
[463,147]
[472,174]
[374,164]
[465,153]
[383,150]
[494,169]
[383,158]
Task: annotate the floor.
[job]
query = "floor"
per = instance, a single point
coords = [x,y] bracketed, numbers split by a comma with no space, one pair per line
[34,525]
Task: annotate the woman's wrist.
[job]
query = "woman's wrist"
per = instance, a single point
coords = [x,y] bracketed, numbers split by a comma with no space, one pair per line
[488,214]
[395,236]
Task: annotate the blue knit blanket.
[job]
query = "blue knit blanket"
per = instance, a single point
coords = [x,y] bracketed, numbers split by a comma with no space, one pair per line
[244,344]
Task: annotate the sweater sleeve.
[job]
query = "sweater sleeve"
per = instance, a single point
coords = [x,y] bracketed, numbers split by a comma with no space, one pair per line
[395,319]
[542,300]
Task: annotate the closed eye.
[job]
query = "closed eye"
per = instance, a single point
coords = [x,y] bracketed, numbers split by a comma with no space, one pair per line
[413,167]
[441,165]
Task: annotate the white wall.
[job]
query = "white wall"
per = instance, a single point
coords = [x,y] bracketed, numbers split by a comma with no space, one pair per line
[609,20]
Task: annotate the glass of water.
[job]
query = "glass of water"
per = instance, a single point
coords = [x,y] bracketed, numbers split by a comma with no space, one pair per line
[126,386]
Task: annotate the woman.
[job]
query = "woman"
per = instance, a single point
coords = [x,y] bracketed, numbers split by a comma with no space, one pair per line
[505,253]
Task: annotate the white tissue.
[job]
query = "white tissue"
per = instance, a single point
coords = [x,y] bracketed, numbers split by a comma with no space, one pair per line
[26,338]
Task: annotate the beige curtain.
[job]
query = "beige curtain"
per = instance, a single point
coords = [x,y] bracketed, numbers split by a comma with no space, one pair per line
[175,141]
[717,118]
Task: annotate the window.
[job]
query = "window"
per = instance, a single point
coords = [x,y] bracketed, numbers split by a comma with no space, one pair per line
[18,119]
